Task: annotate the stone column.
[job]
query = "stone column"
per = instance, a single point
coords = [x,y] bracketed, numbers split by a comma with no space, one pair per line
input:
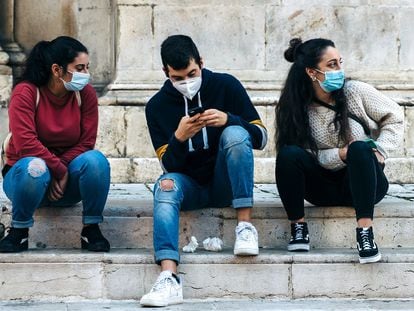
[7,37]
[6,81]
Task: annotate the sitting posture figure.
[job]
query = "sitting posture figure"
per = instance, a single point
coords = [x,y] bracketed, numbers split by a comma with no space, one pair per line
[48,155]
[332,139]
[203,127]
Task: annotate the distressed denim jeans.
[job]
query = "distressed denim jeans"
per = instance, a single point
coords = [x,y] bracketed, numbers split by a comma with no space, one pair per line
[26,185]
[232,184]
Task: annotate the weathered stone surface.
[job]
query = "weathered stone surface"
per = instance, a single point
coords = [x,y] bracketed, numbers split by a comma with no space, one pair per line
[53,22]
[351,280]
[135,37]
[136,280]
[243,31]
[219,304]
[308,21]
[409,131]
[128,274]
[128,221]
[406,38]
[51,281]
[147,169]
[121,170]
[111,131]
[4,121]
[224,280]
[94,20]
[138,142]
[400,170]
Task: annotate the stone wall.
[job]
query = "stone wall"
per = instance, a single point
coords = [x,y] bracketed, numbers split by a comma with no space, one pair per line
[5,90]
[245,38]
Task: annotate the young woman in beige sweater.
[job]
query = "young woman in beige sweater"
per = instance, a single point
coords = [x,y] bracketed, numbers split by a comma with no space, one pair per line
[332,139]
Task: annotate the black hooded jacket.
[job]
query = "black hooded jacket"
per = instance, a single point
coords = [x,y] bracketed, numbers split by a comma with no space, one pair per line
[166,108]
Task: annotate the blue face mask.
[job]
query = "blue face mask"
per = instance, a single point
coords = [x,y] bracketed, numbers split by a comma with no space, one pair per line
[334,80]
[78,82]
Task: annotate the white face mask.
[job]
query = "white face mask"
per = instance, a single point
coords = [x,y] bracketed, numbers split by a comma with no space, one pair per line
[189,87]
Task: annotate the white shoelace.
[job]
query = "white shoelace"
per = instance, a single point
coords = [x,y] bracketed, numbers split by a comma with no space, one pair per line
[365,240]
[246,233]
[298,231]
[162,283]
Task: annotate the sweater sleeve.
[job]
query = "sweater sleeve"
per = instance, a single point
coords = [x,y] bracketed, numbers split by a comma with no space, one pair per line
[385,112]
[22,111]
[329,159]
[89,126]
[243,113]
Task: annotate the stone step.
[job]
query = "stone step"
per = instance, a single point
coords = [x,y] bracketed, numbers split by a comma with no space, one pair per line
[128,221]
[128,274]
[219,304]
[399,170]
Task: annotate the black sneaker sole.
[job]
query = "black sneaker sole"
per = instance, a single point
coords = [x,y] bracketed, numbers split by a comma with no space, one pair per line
[15,249]
[96,247]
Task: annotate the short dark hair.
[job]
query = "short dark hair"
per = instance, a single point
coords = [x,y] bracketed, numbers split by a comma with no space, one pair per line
[177,52]
[62,51]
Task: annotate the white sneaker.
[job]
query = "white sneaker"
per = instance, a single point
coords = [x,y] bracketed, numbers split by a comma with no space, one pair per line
[167,290]
[246,240]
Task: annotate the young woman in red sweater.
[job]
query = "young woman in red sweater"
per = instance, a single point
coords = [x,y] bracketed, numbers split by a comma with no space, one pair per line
[49,157]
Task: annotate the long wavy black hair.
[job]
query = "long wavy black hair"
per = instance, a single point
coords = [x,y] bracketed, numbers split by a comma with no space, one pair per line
[292,117]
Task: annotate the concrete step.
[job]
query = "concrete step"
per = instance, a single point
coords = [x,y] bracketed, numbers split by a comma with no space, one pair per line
[220,304]
[128,221]
[128,274]
[147,169]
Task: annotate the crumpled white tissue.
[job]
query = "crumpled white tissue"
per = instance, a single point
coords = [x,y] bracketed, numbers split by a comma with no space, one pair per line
[191,246]
[213,244]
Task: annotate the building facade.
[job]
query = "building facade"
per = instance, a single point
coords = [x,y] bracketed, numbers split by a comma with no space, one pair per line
[245,38]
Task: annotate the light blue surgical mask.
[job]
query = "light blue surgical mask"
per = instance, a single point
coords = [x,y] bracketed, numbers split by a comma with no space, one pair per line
[334,80]
[78,82]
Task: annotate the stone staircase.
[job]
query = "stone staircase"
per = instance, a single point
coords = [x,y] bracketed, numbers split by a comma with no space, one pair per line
[55,269]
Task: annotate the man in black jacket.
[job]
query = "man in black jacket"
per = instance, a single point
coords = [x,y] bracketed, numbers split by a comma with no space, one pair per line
[204,128]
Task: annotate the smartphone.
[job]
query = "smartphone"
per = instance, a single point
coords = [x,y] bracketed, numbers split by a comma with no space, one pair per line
[193,111]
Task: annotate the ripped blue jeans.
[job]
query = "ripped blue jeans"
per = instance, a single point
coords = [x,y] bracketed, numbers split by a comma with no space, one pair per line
[26,185]
[232,184]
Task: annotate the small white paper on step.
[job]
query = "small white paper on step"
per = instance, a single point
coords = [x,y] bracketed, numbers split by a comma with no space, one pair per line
[191,246]
[213,244]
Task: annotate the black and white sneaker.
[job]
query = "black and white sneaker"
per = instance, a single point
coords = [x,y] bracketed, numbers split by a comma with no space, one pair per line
[93,240]
[16,241]
[367,248]
[299,239]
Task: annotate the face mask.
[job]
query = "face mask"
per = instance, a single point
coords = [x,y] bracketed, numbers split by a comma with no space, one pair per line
[188,87]
[78,82]
[334,80]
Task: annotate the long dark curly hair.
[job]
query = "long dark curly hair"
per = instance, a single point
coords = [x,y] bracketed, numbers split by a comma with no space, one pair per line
[292,117]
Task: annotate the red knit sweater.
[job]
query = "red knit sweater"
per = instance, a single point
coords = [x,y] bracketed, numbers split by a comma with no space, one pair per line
[57,131]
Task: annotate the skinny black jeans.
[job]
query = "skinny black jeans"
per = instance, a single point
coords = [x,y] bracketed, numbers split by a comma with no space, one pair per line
[360,184]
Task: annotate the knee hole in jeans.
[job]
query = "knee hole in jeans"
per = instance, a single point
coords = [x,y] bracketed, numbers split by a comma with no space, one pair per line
[36,168]
[167,185]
